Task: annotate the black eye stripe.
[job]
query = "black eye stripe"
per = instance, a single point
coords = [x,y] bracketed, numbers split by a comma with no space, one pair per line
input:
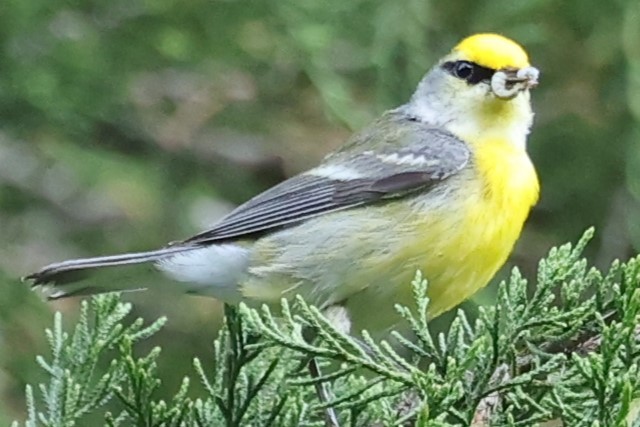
[469,71]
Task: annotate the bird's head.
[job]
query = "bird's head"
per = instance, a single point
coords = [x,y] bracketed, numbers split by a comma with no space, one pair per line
[483,82]
[495,64]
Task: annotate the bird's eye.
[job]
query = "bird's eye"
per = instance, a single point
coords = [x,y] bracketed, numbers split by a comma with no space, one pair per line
[463,70]
[468,71]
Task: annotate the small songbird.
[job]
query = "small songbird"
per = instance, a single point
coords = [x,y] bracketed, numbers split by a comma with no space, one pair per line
[442,184]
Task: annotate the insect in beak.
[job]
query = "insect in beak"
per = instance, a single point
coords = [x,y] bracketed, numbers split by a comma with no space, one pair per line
[508,82]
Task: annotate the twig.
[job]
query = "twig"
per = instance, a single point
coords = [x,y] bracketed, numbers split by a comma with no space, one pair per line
[490,403]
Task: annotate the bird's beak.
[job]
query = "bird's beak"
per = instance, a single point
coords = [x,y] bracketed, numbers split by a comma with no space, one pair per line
[508,82]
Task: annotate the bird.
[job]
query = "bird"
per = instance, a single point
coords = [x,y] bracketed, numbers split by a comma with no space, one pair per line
[442,184]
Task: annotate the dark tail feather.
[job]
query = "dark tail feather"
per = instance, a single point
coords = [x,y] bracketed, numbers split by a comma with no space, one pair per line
[70,271]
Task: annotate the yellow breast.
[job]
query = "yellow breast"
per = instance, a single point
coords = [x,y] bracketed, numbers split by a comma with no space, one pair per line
[459,243]
[490,222]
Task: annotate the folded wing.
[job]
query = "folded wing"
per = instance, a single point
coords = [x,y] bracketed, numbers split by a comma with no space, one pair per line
[364,177]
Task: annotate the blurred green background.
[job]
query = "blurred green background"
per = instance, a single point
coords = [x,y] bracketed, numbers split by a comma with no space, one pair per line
[130,123]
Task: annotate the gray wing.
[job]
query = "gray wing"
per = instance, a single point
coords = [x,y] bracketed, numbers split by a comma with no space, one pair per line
[415,159]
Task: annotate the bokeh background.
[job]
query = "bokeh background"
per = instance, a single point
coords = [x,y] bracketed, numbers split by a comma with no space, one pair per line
[130,123]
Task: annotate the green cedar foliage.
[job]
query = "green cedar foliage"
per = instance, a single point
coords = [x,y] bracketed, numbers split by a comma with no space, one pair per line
[565,351]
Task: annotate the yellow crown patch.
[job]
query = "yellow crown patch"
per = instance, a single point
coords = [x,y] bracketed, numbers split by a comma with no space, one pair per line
[492,51]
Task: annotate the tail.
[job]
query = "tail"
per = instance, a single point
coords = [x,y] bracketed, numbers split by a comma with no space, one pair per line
[59,275]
